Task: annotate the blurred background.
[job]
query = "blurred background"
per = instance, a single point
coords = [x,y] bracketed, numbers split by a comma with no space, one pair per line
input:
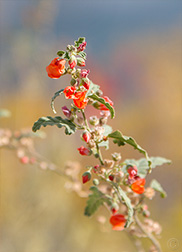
[134,54]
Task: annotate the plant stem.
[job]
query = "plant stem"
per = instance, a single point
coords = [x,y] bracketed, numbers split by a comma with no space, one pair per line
[85,120]
[99,154]
[149,235]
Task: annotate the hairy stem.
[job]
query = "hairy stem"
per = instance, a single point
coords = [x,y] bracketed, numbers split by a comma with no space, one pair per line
[149,235]
[99,154]
[85,120]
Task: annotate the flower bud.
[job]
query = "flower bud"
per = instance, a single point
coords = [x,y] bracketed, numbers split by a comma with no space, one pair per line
[86,83]
[96,182]
[111,177]
[84,151]
[93,120]
[116,156]
[86,136]
[114,207]
[91,143]
[82,47]
[86,177]
[66,112]
[73,81]
[103,121]
[132,170]
[99,92]
[80,62]
[72,62]
[84,73]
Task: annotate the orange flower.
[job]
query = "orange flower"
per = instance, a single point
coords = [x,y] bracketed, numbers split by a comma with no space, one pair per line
[56,68]
[117,221]
[79,100]
[69,92]
[102,106]
[138,186]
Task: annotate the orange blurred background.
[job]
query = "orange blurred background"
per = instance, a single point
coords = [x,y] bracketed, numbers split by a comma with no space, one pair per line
[134,54]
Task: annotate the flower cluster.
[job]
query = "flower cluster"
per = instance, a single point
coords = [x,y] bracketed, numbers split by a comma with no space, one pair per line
[118,185]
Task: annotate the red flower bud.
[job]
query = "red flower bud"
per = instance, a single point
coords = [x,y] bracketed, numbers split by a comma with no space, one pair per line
[82,47]
[56,68]
[86,177]
[102,106]
[86,83]
[138,186]
[66,112]
[86,136]
[84,151]
[84,73]
[95,168]
[111,177]
[72,62]
[118,222]
[69,92]
[132,170]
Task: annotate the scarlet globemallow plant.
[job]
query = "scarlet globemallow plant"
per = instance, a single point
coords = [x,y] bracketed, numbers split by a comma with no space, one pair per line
[117,185]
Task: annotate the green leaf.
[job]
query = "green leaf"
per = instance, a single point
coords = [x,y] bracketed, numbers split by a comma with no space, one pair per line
[142,164]
[54,97]
[5,113]
[157,187]
[96,199]
[92,89]
[120,139]
[83,55]
[66,55]
[61,53]
[127,202]
[70,128]
[101,100]
[79,41]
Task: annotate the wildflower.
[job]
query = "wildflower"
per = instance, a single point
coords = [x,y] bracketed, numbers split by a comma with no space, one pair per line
[69,92]
[118,222]
[102,106]
[138,186]
[56,68]
[79,100]
[84,151]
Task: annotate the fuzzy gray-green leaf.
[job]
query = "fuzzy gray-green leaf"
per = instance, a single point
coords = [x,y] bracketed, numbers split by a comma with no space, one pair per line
[157,187]
[70,127]
[96,199]
[120,139]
